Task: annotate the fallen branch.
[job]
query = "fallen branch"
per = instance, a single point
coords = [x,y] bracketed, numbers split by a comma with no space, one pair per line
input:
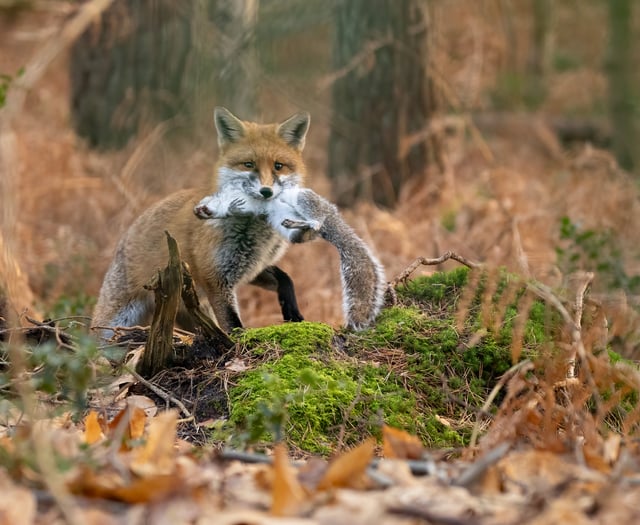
[168,398]
[423,261]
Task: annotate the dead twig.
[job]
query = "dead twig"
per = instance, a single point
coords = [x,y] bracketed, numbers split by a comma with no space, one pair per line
[474,471]
[423,261]
[168,398]
[578,308]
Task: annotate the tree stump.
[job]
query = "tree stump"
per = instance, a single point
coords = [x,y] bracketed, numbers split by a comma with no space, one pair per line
[169,286]
[210,330]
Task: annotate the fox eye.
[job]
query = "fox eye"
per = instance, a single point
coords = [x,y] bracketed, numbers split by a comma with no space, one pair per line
[278,166]
[249,165]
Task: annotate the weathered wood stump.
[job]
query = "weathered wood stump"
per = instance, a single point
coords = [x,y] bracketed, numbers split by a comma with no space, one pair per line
[169,286]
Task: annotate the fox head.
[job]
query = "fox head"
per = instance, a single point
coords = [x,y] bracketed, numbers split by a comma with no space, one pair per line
[262,159]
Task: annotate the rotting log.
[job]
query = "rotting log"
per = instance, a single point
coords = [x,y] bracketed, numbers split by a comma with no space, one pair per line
[210,330]
[167,288]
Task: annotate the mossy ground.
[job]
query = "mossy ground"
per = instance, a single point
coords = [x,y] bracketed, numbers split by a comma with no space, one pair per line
[423,367]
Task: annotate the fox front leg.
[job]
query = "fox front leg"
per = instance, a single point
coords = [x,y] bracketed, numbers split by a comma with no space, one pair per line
[301,231]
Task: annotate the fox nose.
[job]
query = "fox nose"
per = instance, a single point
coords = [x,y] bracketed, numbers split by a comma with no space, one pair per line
[266,192]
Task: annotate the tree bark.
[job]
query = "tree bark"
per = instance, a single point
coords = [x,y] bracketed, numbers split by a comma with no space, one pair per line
[167,288]
[147,61]
[381,99]
[621,89]
[129,68]
[541,52]
[236,58]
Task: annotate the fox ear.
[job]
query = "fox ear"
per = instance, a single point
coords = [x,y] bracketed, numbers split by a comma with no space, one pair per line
[294,129]
[229,127]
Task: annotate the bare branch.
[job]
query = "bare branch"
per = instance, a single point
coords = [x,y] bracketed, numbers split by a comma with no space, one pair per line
[423,261]
[162,394]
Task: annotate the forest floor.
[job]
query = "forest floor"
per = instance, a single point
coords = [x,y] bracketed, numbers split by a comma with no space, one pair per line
[511,196]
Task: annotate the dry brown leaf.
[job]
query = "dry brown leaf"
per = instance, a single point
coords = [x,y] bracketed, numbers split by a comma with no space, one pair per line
[348,470]
[158,454]
[288,495]
[250,517]
[151,488]
[398,444]
[611,448]
[145,403]
[128,424]
[17,504]
[110,485]
[263,476]
[92,429]
[596,460]
[137,420]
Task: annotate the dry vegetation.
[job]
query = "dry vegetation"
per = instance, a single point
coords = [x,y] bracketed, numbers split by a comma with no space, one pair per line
[507,184]
[500,200]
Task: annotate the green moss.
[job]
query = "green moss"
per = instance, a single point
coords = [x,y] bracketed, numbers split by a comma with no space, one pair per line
[436,288]
[414,370]
[300,338]
[308,394]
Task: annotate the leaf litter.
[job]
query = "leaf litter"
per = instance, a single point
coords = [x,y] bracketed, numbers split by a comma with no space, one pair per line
[544,459]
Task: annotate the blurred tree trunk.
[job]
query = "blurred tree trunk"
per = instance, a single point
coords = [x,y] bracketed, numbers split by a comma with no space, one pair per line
[541,54]
[236,60]
[622,104]
[381,100]
[142,64]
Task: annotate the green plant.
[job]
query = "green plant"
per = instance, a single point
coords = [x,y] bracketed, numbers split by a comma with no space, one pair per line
[5,82]
[594,251]
[415,369]
[58,359]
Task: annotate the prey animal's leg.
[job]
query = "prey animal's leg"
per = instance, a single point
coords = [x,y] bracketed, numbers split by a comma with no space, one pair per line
[215,207]
[301,231]
[274,279]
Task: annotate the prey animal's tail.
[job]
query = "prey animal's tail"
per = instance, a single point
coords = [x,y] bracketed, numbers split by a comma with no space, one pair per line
[361,273]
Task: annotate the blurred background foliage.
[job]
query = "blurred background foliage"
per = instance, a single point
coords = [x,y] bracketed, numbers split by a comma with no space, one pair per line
[504,129]
[365,64]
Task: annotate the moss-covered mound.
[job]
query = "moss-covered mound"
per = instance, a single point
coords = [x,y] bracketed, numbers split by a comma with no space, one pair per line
[427,364]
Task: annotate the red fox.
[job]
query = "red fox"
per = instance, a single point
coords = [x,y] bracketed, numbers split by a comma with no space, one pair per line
[261,160]
[300,215]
